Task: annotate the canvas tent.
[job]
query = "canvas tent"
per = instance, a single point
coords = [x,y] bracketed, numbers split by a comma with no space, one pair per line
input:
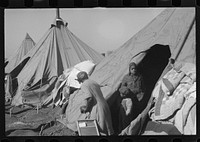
[58,50]
[170,35]
[26,45]
[13,65]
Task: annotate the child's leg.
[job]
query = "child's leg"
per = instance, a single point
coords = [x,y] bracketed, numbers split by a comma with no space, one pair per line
[123,103]
[129,106]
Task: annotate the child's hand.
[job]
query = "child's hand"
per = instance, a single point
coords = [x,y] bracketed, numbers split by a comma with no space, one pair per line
[122,95]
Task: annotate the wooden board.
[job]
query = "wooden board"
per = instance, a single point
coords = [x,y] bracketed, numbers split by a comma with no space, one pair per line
[87,128]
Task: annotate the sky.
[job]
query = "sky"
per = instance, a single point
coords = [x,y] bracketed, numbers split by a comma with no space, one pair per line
[103,29]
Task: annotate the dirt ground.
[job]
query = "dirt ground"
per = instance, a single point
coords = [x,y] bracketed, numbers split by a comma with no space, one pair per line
[25,121]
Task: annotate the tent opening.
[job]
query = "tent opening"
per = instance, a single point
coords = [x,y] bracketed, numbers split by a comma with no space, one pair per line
[19,67]
[5,64]
[151,67]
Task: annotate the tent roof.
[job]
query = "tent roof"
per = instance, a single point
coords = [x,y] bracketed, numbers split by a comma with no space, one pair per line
[58,50]
[28,36]
[173,27]
[26,45]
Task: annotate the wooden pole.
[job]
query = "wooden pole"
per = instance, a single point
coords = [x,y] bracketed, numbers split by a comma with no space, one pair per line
[11,112]
[57,13]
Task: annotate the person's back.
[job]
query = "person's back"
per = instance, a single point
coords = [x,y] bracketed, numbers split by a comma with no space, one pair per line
[96,89]
[101,110]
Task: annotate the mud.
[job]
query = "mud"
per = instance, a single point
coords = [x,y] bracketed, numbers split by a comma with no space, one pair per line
[25,121]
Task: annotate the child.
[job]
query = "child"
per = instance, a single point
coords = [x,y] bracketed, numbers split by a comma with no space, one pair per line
[131,92]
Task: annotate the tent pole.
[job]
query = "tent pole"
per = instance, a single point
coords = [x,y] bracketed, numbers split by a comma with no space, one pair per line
[57,13]
[39,97]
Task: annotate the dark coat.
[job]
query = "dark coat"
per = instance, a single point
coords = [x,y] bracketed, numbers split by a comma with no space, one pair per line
[132,86]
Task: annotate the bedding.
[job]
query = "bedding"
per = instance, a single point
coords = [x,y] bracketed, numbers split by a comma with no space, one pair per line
[175,98]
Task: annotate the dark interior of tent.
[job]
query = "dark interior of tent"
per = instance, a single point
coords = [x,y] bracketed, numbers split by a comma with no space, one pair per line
[19,67]
[5,64]
[40,89]
[151,67]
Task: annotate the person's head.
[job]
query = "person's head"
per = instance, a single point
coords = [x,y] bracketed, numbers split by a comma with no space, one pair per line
[132,68]
[82,76]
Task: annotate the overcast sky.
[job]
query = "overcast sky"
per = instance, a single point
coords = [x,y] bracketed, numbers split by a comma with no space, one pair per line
[103,29]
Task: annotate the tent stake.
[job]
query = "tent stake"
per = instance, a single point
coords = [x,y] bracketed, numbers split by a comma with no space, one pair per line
[11,112]
[37,108]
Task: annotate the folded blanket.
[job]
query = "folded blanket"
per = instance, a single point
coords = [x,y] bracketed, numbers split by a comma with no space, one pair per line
[166,105]
[185,119]
[171,80]
[175,98]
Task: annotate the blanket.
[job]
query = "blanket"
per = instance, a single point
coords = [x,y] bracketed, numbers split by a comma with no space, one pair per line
[185,119]
[68,78]
[175,97]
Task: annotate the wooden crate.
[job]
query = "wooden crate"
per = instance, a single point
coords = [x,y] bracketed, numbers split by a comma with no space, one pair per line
[87,128]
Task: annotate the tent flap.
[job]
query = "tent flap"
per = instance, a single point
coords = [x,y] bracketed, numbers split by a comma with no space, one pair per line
[26,45]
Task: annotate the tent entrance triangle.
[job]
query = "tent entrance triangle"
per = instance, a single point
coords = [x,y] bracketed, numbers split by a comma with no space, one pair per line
[152,66]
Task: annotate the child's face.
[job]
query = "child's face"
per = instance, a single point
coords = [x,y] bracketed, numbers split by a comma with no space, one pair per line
[132,70]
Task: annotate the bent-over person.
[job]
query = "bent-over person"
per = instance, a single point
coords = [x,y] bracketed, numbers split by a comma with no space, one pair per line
[95,104]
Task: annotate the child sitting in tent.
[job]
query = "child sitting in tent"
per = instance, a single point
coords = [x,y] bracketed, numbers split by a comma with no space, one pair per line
[131,91]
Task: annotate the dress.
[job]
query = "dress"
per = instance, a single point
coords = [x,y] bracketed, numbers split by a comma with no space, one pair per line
[100,110]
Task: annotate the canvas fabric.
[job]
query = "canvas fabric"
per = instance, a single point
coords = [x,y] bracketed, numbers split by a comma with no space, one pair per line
[58,50]
[26,45]
[68,78]
[173,27]
[176,107]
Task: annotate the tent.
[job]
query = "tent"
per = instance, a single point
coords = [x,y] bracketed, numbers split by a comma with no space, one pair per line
[170,35]
[26,45]
[13,65]
[58,50]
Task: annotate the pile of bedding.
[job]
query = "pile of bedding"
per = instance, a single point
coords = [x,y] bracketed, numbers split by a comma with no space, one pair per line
[175,99]
[68,79]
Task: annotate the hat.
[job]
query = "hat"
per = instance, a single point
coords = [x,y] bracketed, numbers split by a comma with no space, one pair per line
[81,76]
[132,64]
